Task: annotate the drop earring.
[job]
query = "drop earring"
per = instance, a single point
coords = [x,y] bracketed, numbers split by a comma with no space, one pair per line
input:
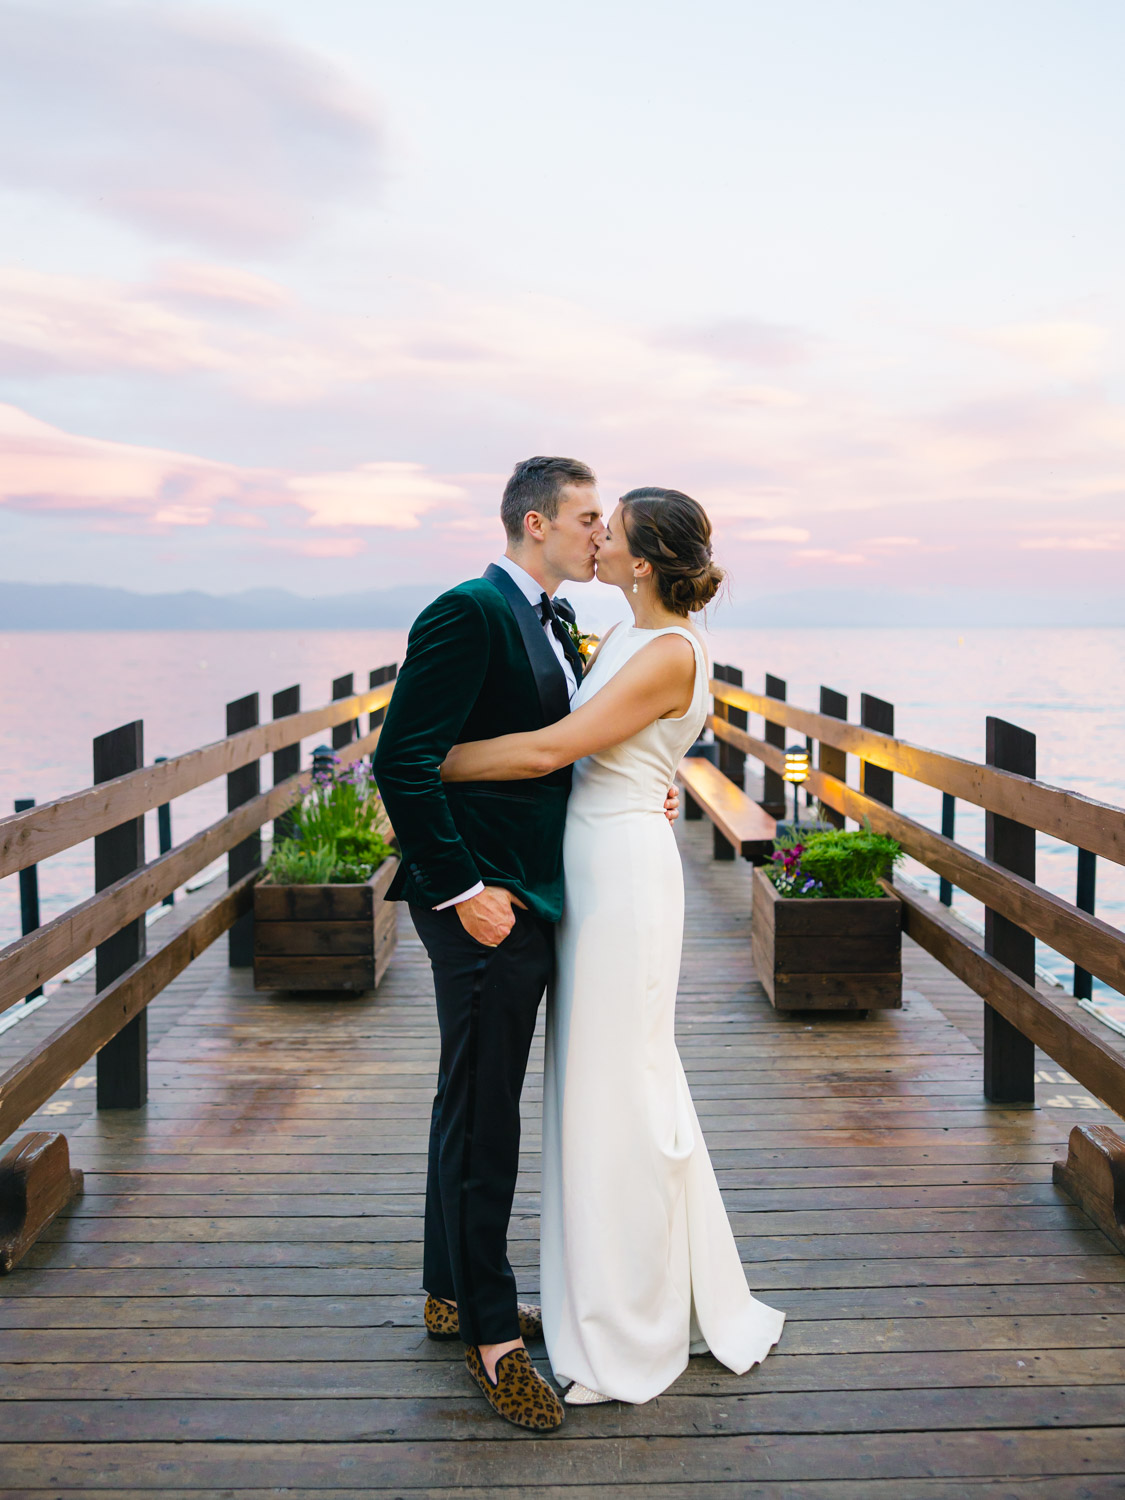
[636,588]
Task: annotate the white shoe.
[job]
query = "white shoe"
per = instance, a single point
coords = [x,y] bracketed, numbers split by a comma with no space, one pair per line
[582,1395]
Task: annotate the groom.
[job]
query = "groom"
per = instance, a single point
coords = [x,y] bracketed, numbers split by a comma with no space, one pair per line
[482,871]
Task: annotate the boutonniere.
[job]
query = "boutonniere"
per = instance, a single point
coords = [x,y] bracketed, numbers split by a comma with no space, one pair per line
[584,641]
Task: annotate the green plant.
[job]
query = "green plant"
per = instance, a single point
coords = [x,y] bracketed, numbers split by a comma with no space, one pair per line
[292,864]
[340,834]
[839,865]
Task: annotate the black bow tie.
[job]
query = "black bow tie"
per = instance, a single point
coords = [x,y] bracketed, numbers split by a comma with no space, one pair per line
[554,613]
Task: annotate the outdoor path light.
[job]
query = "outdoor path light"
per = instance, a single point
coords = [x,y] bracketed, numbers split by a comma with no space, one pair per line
[797,773]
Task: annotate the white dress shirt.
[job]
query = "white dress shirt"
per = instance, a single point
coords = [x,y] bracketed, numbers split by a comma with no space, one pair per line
[533,592]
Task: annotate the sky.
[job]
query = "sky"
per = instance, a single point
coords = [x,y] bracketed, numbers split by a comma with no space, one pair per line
[287,289]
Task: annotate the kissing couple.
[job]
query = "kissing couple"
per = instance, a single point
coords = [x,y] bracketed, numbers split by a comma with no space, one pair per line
[532,799]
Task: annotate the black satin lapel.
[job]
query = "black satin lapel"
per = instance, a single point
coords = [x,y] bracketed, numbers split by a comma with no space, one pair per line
[550,679]
[573,656]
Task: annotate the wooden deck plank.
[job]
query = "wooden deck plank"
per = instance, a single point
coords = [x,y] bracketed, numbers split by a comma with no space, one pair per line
[431,1418]
[1070,1486]
[391,1466]
[345,1269]
[234,1305]
[401,1378]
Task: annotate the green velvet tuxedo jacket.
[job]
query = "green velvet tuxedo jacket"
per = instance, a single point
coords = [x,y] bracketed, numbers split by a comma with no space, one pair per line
[478,664]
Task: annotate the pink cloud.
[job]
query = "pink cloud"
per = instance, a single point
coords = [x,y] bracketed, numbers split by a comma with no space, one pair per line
[1066,347]
[764,395]
[323,546]
[246,520]
[829,555]
[375,494]
[44,469]
[775,534]
[601,386]
[84,323]
[224,284]
[743,341]
[858,478]
[1107,542]
[178,120]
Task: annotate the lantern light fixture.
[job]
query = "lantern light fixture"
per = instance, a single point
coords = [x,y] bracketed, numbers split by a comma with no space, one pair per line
[796,773]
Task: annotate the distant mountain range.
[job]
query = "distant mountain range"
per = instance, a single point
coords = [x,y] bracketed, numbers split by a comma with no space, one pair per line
[72,606]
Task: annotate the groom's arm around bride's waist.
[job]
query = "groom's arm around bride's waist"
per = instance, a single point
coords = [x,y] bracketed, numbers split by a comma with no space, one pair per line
[441,677]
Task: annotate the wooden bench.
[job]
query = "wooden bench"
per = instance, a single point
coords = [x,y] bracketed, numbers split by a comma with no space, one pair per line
[746,827]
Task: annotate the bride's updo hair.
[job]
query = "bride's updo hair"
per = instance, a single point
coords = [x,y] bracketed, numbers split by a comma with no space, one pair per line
[671,531]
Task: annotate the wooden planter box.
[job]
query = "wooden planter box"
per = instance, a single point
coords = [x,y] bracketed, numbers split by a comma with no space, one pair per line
[324,937]
[827,954]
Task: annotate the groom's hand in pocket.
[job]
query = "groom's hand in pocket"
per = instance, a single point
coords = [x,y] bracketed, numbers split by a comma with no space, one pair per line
[488,917]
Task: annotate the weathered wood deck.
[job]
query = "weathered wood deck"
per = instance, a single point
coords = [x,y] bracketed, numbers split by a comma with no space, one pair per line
[234,1305]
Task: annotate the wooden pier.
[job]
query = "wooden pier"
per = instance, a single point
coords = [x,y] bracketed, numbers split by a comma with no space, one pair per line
[233,1304]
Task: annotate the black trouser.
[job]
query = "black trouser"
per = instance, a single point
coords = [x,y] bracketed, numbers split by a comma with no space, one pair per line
[487,1001]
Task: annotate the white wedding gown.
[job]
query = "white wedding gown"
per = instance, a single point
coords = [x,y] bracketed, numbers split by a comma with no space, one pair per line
[638,1261]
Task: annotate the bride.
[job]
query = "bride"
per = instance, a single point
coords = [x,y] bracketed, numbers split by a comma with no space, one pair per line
[639,1266]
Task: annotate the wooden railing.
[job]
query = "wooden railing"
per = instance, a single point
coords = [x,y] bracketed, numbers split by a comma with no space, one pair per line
[111,921]
[1059,1028]
[1018,1016]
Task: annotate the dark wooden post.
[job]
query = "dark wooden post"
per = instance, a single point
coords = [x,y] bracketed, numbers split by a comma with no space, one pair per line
[343,734]
[1084,900]
[720,847]
[29,894]
[164,831]
[286,761]
[773,786]
[242,785]
[1009,1058]
[731,762]
[876,714]
[122,1066]
[719,673]
[375,679]
[809,752]
[948,826]
[830,760]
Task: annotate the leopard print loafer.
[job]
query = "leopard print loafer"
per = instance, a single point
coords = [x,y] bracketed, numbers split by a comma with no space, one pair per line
[442,1321]
[520,1394]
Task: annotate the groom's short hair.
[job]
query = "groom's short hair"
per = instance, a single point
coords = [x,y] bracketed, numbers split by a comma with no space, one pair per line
[536,484]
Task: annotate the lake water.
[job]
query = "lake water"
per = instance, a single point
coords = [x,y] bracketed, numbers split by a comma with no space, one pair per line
[58,690]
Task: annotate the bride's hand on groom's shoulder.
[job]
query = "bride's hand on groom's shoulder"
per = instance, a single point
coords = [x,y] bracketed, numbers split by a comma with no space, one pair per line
[488,917]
